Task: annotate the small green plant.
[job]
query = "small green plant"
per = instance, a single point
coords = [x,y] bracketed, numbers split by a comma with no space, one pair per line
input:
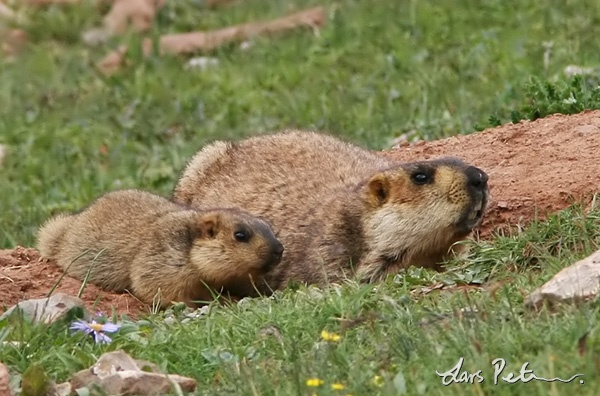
[544,97]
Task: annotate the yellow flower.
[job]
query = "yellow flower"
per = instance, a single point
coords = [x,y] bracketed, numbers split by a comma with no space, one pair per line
[314,382]
[377,381]
[337,386]
[327,336]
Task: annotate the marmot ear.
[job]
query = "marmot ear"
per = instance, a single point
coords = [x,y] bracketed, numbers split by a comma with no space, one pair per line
[209,226]
[379,189]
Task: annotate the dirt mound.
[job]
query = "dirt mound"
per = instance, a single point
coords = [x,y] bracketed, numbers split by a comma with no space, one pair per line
[542,166]
[24,274]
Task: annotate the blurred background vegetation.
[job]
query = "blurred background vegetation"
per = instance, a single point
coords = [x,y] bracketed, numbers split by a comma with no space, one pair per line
[375,71]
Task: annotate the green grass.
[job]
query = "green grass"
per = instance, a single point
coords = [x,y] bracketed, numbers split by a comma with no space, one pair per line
[394,330]
[570,95]
[376,70]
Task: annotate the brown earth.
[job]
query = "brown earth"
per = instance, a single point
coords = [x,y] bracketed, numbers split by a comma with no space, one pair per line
[542,166]
[24,274]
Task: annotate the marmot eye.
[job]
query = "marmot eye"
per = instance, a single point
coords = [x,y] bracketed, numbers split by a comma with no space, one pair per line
[241,236]
[420,178]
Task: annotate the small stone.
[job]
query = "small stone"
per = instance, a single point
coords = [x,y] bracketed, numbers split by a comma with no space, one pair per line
[119,374]
[245,45]
[142,383]
[244,301]
[578,282]
[112,362]
[47,310]
[12,343]
[204,310]
[95,37]
[271,331]
[198,312]
[574,70]
[201,62]
[502,204]
[585,130]
[63,389]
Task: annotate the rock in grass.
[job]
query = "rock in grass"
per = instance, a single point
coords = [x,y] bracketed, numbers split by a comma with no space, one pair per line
[63,389]
[578,282]
[47,310]
[4,381]
[117,373]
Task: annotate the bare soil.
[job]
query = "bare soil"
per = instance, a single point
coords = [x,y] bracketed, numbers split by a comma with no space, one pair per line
[535,168]
[24,274]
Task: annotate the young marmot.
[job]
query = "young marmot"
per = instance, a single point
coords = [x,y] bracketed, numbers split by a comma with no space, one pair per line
[160,251]
[339,209]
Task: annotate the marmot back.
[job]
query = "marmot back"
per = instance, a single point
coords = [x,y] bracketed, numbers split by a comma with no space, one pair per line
[137,241]
[282,175]
[339,209]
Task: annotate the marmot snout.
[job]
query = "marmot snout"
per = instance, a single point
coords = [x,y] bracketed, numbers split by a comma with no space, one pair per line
[160,251]
[339,209]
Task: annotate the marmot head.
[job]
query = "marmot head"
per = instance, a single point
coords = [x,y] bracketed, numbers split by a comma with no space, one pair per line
[232,248]
[417,210]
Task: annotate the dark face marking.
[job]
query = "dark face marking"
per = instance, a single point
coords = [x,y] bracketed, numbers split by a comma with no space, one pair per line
[422,175]
[275,247]
[477,188]
[242,233]
[476,178]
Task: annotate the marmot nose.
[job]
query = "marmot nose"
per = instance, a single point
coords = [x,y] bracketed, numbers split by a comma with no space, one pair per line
[476,177]
[277,249]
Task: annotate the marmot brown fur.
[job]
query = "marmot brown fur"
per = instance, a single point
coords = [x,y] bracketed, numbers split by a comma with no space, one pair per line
[160,251]
[339,209]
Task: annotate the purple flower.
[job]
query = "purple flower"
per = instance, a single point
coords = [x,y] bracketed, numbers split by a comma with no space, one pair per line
[95,328]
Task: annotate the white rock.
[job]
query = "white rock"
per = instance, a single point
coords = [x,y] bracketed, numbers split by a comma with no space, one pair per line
[95,37]
[578,282]
[201,62]
[245,45]
[63,389]
[46,310]
[574,70]
[119,374]
[112,362]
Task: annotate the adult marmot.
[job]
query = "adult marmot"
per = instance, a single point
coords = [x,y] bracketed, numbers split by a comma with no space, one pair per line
[160,251]
[337,208]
